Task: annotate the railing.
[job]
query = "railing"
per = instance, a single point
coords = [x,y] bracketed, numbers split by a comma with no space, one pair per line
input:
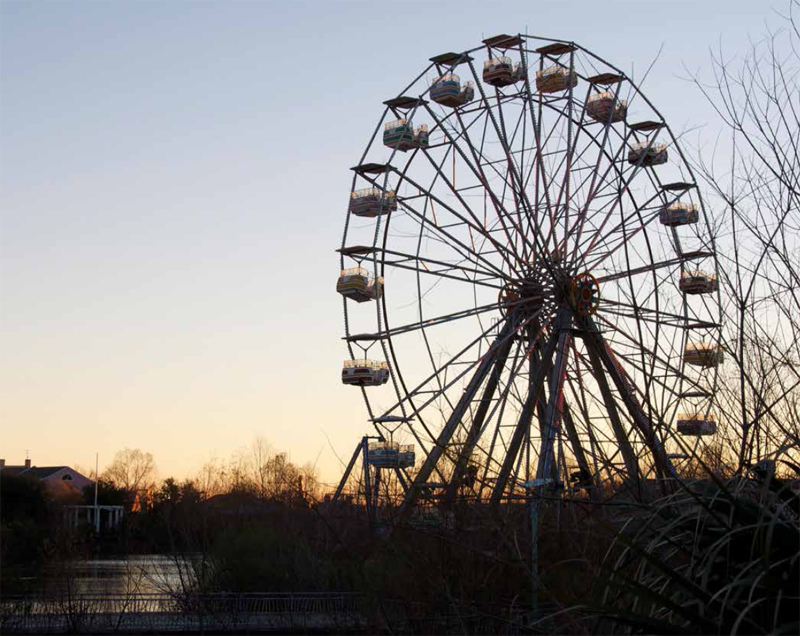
[372,364]
[622,103]
[371,192]
[698,273]
[676,206]
[395,124]
[696,417]
[449,77]
[181,612]
[554,70]
[702,347]
[374,446]
[648,145]
[497,61]
[117,603]
[355,271]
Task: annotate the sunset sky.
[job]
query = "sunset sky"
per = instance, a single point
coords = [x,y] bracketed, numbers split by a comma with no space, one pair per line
[174,184]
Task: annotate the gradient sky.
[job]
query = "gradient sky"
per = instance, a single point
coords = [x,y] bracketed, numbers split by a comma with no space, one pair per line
[174,183]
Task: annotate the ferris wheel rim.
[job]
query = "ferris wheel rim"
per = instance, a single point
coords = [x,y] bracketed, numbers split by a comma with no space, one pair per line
[382,311]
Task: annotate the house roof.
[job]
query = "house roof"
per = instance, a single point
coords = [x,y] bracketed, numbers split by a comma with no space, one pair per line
[13,470]
[39,472]
[42,472]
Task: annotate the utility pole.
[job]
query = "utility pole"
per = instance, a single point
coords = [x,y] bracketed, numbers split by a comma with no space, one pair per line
[96,481]
[534,488]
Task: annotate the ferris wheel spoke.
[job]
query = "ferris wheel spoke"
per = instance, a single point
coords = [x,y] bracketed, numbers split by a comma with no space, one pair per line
[661,317]
[518,184]
[456,135]
[454,243]
[508,332]
[602,239]
[425,324]
[499,130]
[444,274]
[503,215]
[565,165]
[570,151]
[655,330]
[597,185]
[437,375]
[476,165]
[512,168]
[449,266]
[646,269]
[541,184]
[646,391]
[666,365]
[625,176]
[621,243]
[519,127]
[510,257]
[637,210]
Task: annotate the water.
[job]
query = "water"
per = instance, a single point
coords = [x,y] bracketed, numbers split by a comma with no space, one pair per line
[139,574]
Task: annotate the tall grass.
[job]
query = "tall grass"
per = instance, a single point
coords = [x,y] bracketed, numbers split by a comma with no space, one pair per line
[715,558]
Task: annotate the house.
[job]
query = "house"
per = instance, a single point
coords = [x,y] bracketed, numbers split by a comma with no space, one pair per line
[59,480]
[66,486]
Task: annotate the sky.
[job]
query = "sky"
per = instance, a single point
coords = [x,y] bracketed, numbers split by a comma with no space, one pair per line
[173,184]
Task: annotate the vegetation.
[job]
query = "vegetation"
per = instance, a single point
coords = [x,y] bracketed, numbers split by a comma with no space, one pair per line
[27,513]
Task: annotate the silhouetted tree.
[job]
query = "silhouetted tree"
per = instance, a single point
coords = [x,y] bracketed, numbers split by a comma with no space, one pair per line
[108,494]
[132,471]
[754,190]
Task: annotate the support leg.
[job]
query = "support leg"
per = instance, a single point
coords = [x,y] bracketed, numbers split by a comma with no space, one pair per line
[347,471]
[628,456]
[536,385]
[452,424]
[477,423]
[554,409]
[625,388]
[367,484]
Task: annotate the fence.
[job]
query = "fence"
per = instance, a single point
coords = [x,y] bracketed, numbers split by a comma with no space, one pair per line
[142,613]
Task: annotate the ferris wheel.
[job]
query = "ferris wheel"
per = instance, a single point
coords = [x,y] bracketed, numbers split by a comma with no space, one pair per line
[528,280]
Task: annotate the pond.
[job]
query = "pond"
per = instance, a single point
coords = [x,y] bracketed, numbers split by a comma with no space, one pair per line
[135,574]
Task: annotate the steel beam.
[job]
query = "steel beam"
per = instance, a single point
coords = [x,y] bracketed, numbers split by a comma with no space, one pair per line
[628,456]
[625,388]
[347,471]
[452,424]
[536,386]
[554,408]
[477,421]
[367,488]
[577,450]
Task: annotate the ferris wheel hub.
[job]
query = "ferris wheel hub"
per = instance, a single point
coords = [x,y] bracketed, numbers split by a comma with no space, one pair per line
[526,296]
[585,294]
